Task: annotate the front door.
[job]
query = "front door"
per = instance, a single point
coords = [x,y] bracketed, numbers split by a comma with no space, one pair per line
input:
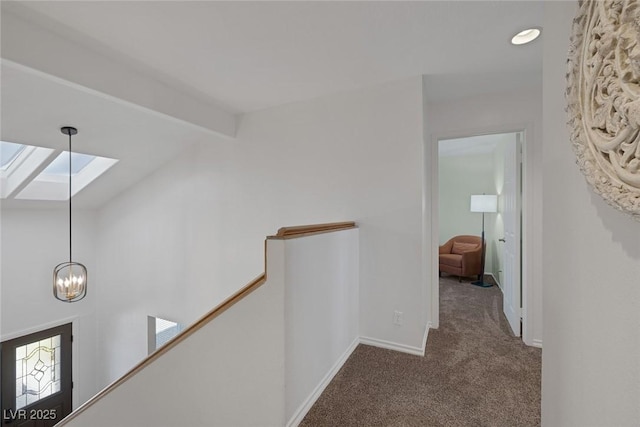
[36,378]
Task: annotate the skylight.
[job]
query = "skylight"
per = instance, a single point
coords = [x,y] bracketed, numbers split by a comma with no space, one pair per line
[9,151]
[60,166]
[19,164]
[53,182]
[37,173]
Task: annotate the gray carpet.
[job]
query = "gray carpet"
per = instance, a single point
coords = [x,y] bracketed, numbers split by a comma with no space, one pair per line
[474,373]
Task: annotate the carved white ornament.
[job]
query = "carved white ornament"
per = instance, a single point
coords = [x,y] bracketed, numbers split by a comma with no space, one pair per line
[603,96]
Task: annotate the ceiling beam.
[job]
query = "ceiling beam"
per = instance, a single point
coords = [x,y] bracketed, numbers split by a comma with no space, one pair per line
[25,41]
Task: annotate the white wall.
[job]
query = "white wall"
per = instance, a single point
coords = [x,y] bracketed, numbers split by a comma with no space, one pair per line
[459,178]
[591,357]
[192,233]
[228,373]
[321,314]
[265,360]
[153,262]
[496,113]
[350,156]
[33,243]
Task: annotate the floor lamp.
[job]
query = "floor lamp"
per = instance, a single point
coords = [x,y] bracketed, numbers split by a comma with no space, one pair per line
[485,203]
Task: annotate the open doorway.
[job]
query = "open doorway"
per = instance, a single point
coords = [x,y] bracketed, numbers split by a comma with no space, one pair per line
[484,167]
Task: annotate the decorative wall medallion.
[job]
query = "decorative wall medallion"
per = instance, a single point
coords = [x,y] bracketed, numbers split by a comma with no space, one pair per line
[603,96]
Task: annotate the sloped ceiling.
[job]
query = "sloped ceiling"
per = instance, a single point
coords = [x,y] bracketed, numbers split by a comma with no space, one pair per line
[237,57]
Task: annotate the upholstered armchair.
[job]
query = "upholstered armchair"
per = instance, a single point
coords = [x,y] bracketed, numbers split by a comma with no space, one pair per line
[462,256]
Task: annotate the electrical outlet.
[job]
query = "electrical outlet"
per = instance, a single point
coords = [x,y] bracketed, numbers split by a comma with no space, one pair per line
[398,317]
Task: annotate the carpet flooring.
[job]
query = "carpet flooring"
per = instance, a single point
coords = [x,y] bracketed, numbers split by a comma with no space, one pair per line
[474,373]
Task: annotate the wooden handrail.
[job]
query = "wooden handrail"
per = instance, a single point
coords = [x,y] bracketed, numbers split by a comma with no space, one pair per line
[184,334]
[308,230]
[283,233]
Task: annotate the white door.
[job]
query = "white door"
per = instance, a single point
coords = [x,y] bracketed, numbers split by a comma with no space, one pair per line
[511,217]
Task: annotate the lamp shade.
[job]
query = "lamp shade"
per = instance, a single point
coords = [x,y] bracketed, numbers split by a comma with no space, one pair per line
[70,281]
[484,203]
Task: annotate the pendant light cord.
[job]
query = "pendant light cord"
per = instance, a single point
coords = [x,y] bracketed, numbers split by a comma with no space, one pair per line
[70,278]
[70,258]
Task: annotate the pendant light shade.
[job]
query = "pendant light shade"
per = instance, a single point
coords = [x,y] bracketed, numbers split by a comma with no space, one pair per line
[70,281]
[69,278]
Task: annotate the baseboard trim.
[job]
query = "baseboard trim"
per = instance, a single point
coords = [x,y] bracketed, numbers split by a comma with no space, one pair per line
[495,280]
[536,343]
[394,346]
[428,326]
[302,410]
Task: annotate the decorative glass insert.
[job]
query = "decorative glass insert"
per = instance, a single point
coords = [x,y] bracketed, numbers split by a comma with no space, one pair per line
[37,370]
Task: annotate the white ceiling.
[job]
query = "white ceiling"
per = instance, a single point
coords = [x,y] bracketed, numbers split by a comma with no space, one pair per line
[247,56]
[253,55]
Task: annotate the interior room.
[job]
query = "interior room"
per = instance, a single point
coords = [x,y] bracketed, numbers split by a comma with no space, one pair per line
[206,133]
[473,166]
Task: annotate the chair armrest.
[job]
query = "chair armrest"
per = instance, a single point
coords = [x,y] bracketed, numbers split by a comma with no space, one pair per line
[472,261]
[446,248]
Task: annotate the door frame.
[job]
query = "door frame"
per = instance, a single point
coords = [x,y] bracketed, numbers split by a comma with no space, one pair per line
[74,346]
[432,223]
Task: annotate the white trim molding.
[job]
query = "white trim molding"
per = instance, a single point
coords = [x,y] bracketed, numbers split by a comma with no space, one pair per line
[531,285]
[38,328]
[536,343]
[75,364]
[302,410]
[496,280]
[428,326]
[394,346]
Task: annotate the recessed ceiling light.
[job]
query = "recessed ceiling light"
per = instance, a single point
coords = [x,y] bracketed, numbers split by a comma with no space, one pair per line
[525,36]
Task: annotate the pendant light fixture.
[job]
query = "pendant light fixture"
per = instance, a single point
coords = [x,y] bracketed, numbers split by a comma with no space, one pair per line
[69,278]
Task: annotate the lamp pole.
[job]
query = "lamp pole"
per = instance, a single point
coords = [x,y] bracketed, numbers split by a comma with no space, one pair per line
[483,203]
[480,282]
